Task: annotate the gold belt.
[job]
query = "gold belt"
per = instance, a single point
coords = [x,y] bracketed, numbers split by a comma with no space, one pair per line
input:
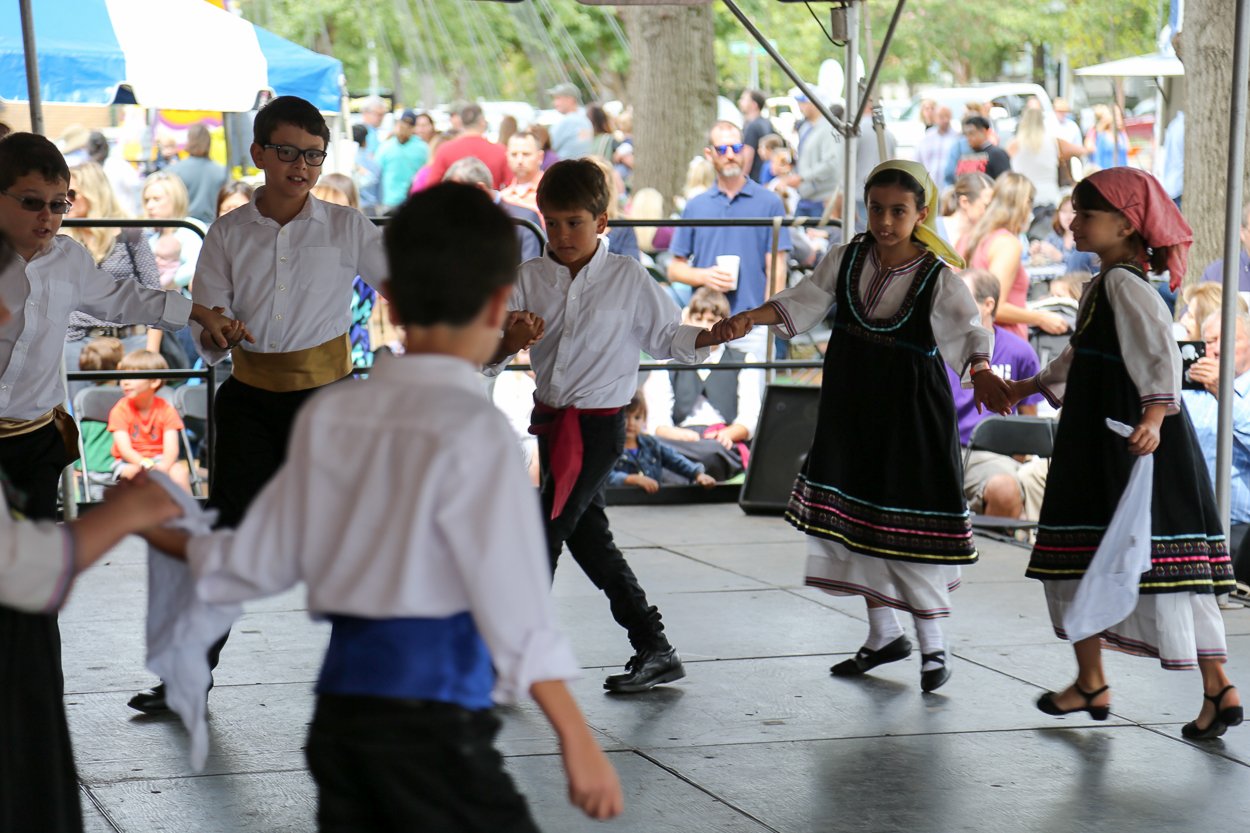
[18,427]
[298,370]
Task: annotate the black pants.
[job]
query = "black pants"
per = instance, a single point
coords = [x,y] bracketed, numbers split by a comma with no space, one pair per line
[38,783]
[393,766]
[583,525]
[253,431]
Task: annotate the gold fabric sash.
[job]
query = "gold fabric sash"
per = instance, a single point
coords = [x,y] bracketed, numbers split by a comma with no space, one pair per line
[298,370]
[18,427]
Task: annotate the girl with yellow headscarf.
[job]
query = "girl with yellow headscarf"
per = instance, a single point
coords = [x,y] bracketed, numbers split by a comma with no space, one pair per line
[880,496]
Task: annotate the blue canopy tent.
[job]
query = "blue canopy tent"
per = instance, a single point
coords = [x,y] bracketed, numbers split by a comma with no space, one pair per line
[178,54]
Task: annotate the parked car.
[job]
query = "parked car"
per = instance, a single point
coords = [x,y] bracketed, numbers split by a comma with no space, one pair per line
[1008,101]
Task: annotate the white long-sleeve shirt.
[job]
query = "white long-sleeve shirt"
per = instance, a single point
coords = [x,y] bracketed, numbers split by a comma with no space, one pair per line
[954,317]
[41,294]
[659,393]
[291,284]
[596,326]
[431,517]
[1144,328]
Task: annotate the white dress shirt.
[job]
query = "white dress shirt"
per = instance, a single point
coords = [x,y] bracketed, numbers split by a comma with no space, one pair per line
[953,315]
[41,294]
[596,325]
[432,516]
[292,284]
[659,394]
[36,563]
[1144,327]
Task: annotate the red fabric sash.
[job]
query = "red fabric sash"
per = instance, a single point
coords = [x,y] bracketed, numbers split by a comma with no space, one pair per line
[565,436]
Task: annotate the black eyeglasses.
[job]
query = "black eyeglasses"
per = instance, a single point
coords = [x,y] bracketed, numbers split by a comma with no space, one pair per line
[35,205]
[289,153]
[723,149]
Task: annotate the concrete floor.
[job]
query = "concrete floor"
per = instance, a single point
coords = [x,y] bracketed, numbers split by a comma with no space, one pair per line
[758,737]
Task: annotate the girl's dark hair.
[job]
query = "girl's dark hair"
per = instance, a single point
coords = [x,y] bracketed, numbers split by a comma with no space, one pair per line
[637,403]
[1086,197]
[893,176]
[234,186]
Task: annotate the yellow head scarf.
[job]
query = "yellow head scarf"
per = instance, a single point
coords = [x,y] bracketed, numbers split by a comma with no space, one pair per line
[926,233]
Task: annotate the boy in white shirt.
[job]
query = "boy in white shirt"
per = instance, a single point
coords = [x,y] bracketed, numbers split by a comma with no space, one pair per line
[286,262]
[433,575]
[47,277]
[599,310]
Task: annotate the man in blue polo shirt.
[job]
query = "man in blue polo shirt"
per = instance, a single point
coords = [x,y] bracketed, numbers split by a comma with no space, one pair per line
[733,195]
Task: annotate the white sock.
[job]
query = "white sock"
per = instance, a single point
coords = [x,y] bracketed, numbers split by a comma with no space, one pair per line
[929,633]
[883,628]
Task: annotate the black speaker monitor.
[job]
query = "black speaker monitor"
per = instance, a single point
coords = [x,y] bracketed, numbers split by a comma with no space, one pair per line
[782,439]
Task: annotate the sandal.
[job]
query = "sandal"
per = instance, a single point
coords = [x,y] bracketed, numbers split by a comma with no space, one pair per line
[1224,718]
[1046,703]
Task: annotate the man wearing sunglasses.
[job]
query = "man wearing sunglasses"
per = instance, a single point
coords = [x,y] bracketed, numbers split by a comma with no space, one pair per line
[696,250]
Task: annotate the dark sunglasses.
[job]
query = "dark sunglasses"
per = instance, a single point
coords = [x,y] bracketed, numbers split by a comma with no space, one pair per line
[35,205]
[289,153]
[723,149]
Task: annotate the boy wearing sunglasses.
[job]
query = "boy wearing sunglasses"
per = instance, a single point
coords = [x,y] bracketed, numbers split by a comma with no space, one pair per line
[733,196]
[286,262]
[49,278]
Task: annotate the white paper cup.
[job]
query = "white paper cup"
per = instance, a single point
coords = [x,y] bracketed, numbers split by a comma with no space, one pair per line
[730,264]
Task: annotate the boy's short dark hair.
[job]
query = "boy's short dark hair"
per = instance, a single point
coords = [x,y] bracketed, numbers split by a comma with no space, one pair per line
[706,301]
[979,122]
[449,247]
[30,153]
[289,109]
[573,184]
[103,353]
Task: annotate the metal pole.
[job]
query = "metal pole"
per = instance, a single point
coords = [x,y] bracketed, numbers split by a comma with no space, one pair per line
[785,67]
[32,67]
[885,50]
[1232,259]
[849,184]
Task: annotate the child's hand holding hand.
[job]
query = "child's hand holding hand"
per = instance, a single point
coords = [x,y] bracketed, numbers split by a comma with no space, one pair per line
[647,484]
[220,332]
[142,501]
[991,392]
[593,784]
[521,330]
[732,328]
[707,481]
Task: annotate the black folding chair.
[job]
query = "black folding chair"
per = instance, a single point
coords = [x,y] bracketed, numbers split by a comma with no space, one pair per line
[1047,346]
[93,405]
[192,404]
[1010,436]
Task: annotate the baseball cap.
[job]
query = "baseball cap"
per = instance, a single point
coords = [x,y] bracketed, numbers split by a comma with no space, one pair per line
[409,116]
[565,89]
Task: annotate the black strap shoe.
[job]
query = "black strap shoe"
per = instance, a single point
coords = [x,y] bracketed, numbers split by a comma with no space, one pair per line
[867,659]
[1224,718]
[151,701]
[936,678]
[645,670]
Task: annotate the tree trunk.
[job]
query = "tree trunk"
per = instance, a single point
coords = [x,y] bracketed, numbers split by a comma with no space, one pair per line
[1206,48]
[673,88]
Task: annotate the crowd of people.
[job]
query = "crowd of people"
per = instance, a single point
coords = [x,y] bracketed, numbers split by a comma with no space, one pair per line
[292,282]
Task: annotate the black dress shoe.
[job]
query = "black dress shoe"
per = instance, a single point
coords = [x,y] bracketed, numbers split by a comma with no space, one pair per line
[937,677]
[151,701]
[1224,718]
[1046,703]
[645,670]
[867,659]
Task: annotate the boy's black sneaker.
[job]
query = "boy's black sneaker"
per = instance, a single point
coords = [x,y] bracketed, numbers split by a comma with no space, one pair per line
[645,670]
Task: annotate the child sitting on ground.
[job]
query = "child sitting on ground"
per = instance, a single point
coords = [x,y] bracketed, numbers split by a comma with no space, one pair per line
[648,462]
[144,426]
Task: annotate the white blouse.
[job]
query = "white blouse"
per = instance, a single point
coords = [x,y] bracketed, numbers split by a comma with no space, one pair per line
[954,316]
[1144,328]
[403,496]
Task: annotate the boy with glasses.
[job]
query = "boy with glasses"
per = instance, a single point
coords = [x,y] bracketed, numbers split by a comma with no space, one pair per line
[286,261]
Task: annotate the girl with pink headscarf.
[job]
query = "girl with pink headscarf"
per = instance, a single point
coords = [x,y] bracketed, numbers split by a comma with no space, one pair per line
[1123,364]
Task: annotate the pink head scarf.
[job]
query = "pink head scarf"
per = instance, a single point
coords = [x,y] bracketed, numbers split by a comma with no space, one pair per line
[1141,199]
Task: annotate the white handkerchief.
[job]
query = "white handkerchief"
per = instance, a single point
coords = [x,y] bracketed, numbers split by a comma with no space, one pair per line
[1108,592]
[181,627]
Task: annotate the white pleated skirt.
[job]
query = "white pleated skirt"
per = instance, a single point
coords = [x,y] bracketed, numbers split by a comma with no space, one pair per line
[1178,629]
[923,590]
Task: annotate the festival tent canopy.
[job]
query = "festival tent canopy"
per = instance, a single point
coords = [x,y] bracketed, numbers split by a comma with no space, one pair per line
[1156,65]
[176,54]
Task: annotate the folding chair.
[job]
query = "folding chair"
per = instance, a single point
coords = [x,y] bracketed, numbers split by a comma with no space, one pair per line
[1010,435]
[93,405]
[1047,346]
[191,401]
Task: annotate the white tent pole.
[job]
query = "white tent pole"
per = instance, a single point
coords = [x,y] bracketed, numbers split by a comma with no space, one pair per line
[849,185]
[1232,259]
[32,67]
